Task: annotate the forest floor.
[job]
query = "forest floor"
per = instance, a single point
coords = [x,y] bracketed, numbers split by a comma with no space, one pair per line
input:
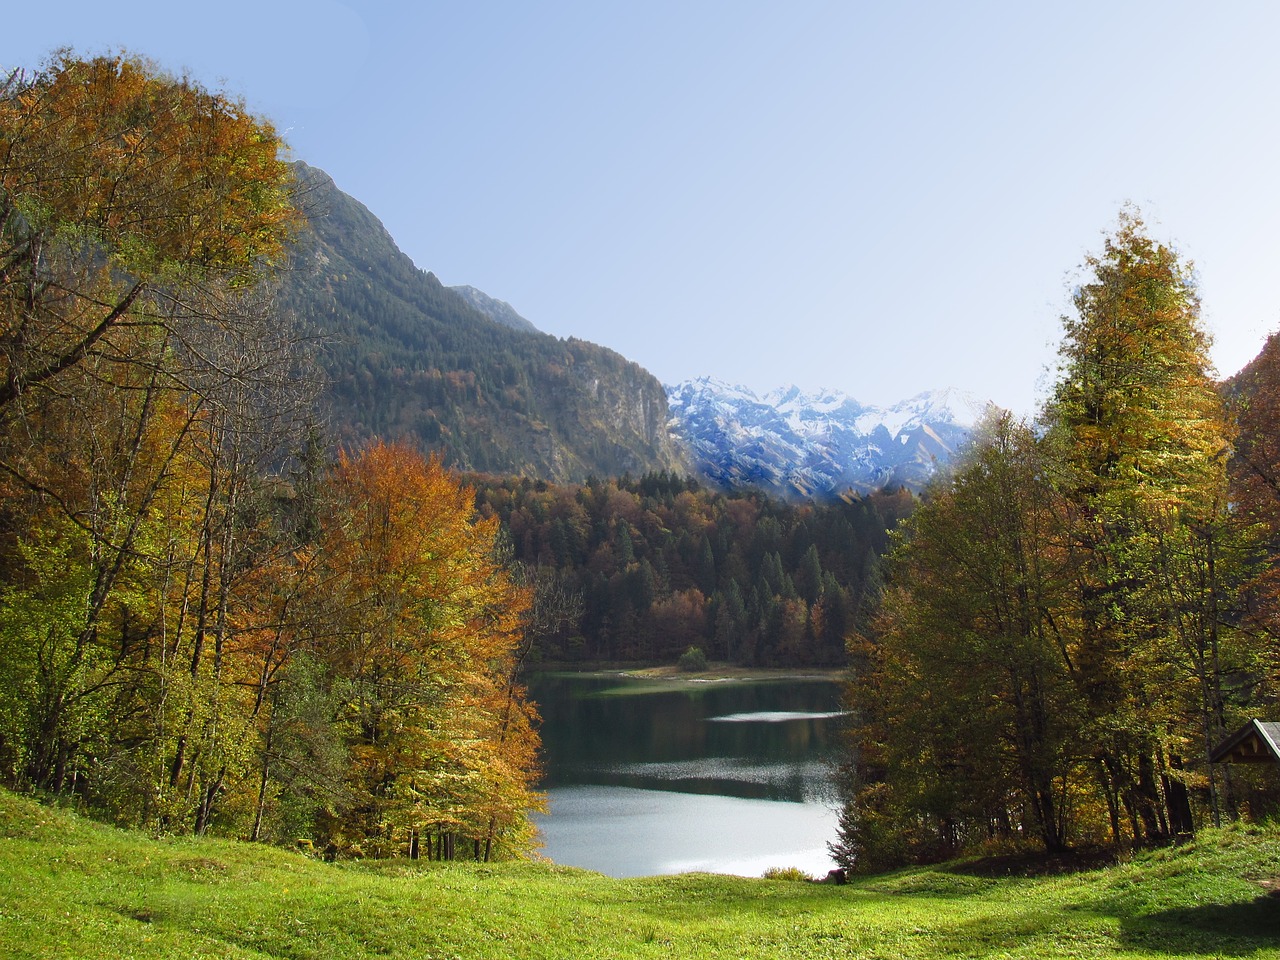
[72,888]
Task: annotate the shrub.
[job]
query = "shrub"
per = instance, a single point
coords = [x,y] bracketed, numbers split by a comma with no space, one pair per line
[692,660]
[786,873]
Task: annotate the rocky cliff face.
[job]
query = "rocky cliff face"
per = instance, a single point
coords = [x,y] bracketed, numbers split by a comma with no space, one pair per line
[407,357]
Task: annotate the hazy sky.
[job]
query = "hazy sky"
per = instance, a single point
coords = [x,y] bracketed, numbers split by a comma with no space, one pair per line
[877,197]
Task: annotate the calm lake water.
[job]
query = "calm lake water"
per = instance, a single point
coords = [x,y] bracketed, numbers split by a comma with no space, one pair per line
[645,777]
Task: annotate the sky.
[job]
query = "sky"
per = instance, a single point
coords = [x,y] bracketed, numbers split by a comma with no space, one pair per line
[879,198]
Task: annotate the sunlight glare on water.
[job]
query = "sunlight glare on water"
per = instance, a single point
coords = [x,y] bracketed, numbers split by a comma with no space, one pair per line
[719,778]
[776,716]
[624,832]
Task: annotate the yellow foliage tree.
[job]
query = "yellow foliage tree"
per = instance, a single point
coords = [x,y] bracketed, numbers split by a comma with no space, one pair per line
[419,625]
[136,210]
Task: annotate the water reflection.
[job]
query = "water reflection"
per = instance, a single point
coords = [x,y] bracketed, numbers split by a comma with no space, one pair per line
[776,716]
[725,777]
[624,832]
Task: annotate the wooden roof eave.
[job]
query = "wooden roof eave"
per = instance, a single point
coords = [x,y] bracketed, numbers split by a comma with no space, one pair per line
[1255,742]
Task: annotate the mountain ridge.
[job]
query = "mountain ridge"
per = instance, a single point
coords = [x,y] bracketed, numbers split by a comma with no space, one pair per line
[496,310]
[821,444]
[405,357]
[462,373]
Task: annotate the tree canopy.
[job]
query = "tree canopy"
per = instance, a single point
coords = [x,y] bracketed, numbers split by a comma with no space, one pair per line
[204,625]
[1063,639]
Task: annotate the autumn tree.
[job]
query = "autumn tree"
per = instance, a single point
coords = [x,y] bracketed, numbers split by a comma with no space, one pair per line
[1062,640]
[1138,428]
[1254,405]
[136,212]
[962,690]
[419,626]
[119,189]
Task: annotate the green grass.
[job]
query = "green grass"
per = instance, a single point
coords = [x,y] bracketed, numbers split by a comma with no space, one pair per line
[73,888]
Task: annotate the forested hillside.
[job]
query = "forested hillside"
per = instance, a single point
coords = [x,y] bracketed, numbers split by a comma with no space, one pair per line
[661,564]
[405,357]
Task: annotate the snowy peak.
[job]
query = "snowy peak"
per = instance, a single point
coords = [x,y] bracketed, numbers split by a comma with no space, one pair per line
[824,408]
[819,444]
[705,388]
[947,407]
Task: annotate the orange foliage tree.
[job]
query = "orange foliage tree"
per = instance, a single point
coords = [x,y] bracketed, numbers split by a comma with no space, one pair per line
[119,186]
[418,625]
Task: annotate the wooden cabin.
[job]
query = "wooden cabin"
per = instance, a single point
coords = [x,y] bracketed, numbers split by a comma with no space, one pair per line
[1256,742]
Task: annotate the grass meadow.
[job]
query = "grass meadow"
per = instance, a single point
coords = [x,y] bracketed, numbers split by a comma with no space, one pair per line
[72,888]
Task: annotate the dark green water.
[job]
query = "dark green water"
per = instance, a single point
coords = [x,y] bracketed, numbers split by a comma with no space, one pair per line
[726,777]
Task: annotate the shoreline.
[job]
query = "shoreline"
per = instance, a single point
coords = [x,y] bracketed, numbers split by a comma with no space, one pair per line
[670,674]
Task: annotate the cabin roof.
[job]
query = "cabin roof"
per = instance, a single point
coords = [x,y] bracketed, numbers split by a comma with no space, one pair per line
[1256,742]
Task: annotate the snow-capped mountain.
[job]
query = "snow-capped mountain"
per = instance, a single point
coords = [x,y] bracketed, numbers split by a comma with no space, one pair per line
[817,445]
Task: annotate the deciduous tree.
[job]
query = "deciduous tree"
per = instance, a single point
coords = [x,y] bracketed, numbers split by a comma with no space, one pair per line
[1138,428]
[420,628]
[963,692]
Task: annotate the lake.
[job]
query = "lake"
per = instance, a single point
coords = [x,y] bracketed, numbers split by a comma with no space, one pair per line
[651,777]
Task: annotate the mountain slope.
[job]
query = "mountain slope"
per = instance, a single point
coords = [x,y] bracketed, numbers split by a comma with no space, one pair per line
[819,445]
[499,311]
[407,357]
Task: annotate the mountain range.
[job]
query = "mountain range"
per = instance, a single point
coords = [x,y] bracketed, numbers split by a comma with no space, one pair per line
[817,445]
[462,373]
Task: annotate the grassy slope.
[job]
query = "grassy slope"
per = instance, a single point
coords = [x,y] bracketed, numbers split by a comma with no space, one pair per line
[72,888]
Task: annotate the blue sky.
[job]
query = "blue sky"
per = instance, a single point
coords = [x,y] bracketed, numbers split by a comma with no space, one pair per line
[879,198]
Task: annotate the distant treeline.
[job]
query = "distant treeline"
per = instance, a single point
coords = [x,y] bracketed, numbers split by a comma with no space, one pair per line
[662,564]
